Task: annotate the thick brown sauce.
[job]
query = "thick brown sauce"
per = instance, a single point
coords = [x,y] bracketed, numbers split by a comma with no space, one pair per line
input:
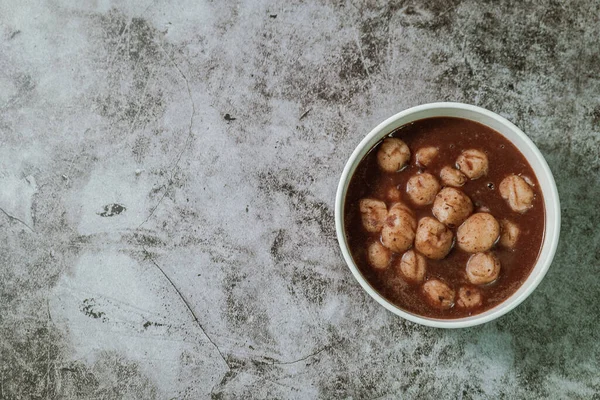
[450,136]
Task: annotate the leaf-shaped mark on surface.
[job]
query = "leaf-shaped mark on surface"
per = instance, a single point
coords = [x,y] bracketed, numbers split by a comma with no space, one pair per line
[110,210]
[88,308]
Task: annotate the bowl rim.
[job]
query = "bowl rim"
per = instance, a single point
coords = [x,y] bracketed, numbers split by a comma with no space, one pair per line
[550,198]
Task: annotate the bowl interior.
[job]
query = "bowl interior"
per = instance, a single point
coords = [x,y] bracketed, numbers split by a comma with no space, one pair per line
[525,146]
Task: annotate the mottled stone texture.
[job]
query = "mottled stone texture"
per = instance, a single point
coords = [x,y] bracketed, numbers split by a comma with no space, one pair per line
[167,180]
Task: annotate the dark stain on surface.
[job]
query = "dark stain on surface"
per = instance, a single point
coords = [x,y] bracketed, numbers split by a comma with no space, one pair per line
[111,210]
[110,377]
[141,40]
[277,244]
[374,33]
[244,313]
[339,386]
[243,310]
[439,57]
[351,66]
[24,359]
[140,109]
[148,324]
[135,56]
[458,74]
[146,240]
[36,363]
[307,209]
[595,114]
[443,15]
[25,85]
[217,392]
[132,39]
[512,45]
[311,285]
[88,308]
[140,147]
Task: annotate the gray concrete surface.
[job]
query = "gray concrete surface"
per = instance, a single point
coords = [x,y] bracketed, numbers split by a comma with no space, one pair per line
[167,179]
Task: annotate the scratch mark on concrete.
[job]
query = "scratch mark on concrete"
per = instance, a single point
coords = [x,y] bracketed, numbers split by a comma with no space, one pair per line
[304,114]
[193,105]
[313,354]
[187,141]
[189,307]
[17,219]
[18,357]
[362,58]
[153,210]
[137,114]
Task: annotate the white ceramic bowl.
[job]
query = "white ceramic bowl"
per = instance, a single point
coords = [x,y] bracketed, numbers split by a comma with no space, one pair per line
[527,148]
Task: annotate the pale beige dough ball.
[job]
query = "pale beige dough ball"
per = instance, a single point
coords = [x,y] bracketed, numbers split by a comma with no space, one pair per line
[413,266]
[510,233]
[439,294]
[393,155]
[393,194]
[468,297]
[478,233]
[378,255]
[517,193]
[422,188]
[433,239]
[373,213]
[452,207]
[452,177]
[425,155]
[399,228]
[473,163]
[483,268]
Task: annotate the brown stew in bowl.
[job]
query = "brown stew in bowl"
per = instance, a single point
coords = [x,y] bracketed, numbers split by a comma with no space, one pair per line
[444,217]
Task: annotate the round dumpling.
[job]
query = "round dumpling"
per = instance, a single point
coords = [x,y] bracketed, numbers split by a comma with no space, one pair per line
[452,177]
[399,228]
[468,297]
[378,255]
[413,266]
[422,188]
[393,155]
[373,213]
[452,207]
[478,233]
[510,234]
[483,268]
[393,194]
[439,294]
[517,193]
[433,239]
[473,163]
[425,155]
